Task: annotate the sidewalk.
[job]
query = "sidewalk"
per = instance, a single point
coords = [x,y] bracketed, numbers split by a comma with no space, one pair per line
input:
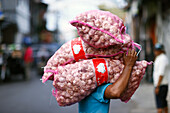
[143,101]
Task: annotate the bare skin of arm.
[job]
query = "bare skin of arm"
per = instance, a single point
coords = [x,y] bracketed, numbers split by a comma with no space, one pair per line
[115,90]
[159,82]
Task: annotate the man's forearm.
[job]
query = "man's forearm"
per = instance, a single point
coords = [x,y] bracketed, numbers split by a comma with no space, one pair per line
[158,84]
[159,81]
[117,88]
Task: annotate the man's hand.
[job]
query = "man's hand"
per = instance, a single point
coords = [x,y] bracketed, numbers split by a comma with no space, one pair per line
[130,58]
[157,90]
[115,90]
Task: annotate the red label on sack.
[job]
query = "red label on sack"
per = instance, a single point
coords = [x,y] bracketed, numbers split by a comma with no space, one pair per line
[101,71]
[77,49]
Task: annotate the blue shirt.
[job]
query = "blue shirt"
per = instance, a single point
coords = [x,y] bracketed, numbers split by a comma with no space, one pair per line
[95,102]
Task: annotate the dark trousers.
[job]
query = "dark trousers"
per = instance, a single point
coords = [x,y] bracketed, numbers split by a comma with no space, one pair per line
[160,98]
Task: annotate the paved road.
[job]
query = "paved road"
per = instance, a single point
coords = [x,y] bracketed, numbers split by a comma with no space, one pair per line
[18,96]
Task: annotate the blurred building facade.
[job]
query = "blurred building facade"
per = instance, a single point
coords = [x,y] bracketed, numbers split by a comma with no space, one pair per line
[24,18]
[148,22]
[21,23]
[16,20]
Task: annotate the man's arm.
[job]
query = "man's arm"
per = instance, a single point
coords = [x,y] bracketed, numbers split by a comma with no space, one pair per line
[116,89]
[159,83]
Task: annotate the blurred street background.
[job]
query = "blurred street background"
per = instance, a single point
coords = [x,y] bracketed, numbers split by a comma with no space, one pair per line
[32,30]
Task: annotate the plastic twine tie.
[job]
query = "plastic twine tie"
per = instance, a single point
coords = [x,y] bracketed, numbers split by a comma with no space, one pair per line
[52,71]
[138,46]
[123,30]
[104,31]
[151,62]
[54,92]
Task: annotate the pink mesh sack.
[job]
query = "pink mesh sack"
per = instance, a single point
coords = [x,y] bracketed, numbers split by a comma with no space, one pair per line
[100,29]
[75,75]
[73,82]
[76,50]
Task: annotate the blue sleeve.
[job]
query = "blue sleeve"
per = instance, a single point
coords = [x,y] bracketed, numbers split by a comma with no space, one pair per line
[98,94]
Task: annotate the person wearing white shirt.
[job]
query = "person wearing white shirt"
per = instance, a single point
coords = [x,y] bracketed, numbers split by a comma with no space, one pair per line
[160,78]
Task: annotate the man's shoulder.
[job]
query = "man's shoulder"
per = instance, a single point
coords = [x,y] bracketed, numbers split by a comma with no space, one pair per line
[166,58]
[163,57]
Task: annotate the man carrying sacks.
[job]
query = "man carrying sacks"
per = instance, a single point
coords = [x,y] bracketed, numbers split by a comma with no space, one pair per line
[98,66]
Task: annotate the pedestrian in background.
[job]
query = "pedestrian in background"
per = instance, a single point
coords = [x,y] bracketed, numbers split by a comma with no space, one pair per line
[28,59]
[160,78]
